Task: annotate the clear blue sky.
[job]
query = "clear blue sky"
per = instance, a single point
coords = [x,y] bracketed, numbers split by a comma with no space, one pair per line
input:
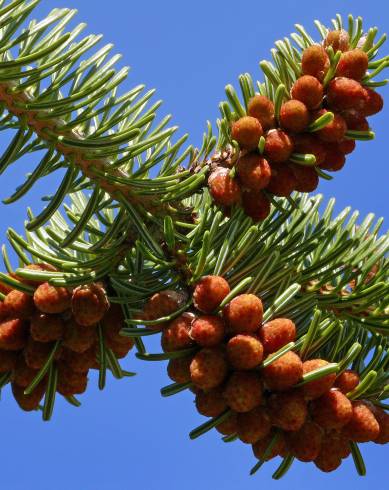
[128,436]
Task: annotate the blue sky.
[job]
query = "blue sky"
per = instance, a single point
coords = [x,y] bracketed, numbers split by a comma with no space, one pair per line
[128,436]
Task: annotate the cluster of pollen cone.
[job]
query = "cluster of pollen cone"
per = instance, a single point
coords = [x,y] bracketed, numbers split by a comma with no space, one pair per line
[57,325]
[256,388]
[272,146]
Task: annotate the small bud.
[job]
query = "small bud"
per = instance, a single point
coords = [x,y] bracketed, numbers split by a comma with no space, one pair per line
[89,304]
[247,131]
